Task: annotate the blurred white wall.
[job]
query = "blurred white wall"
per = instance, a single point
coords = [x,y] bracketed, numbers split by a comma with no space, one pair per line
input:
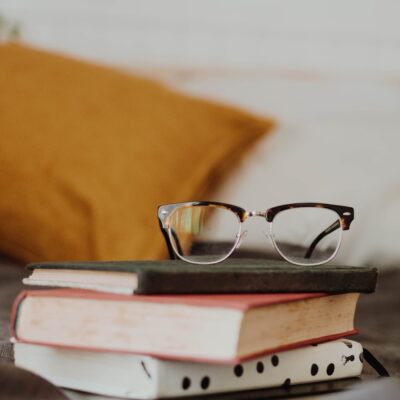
[353,36]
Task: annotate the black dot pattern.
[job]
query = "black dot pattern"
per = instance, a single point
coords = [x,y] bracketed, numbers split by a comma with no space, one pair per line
[314,369]
[185,383]
[348,344]
[275,360]
[330,369]
[238,370]
[286,384]
[205,383]
[260,367]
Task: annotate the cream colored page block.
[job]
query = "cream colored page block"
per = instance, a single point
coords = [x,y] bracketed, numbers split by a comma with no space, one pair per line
[104,324]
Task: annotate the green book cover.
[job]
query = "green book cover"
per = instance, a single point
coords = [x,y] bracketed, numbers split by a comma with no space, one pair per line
[231,276]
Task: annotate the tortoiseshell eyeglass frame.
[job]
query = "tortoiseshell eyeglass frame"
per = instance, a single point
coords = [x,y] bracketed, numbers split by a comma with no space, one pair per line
[345,218]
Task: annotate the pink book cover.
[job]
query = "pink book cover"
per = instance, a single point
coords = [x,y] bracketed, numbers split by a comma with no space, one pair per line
[241,302]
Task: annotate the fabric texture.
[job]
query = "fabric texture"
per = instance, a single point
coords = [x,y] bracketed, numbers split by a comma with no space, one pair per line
[87,153]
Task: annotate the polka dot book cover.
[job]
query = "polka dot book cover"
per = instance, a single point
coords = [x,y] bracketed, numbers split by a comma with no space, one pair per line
[143,377]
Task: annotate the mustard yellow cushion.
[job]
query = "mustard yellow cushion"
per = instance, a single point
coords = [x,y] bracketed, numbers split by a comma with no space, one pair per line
[87,153]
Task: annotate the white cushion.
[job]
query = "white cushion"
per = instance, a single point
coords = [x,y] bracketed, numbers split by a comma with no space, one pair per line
[338,142]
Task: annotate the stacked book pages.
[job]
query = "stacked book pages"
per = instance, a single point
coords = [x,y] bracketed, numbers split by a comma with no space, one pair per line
[150,330]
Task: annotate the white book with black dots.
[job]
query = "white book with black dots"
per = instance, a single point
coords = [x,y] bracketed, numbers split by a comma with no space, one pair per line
[143,377]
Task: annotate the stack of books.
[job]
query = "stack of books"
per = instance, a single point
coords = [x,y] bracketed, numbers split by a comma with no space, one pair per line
[163,329]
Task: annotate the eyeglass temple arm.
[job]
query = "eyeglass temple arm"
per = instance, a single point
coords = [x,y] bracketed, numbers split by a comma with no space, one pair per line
[327,231]
[171,252]
[168,243]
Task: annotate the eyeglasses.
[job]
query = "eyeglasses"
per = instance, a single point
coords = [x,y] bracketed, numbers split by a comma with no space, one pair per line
[203,232]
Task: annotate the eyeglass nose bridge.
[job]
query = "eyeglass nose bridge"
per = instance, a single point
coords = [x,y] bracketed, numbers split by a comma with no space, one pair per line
[257,214]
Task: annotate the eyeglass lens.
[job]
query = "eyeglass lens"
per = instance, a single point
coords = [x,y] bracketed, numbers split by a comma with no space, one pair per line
[203,234]
[307,235]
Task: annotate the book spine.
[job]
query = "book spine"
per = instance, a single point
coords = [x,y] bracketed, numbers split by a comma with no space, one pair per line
[14,314]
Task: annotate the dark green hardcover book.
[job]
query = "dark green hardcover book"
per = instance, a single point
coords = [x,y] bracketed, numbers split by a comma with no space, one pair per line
[178,277]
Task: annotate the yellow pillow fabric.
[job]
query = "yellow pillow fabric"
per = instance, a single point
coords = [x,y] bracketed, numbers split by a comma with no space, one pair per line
[87,153]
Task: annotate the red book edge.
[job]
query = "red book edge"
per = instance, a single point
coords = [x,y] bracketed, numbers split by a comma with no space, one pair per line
[18,301]
[241,302]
